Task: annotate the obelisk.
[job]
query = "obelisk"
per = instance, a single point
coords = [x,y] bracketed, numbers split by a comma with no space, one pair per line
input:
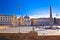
[51,19]
[50,12]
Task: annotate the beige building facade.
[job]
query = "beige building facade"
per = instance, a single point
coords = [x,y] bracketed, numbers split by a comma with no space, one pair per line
[14,20]
[21,21]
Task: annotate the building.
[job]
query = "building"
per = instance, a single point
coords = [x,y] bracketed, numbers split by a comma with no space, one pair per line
[33,22]
[27,20]
[21,21]
[14,20]
[5,19]
[42,21]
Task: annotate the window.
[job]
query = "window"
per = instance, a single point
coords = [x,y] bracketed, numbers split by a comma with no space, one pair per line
[1,19]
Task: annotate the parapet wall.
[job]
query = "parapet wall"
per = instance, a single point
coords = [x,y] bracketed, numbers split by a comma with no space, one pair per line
[27,36]
[18,36]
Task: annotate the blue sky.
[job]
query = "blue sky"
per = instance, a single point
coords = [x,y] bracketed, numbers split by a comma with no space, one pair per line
[34,8]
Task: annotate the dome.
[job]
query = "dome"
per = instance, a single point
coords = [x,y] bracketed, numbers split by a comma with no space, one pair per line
[27,16]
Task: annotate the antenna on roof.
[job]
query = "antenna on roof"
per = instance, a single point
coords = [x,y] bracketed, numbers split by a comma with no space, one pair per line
[19,9]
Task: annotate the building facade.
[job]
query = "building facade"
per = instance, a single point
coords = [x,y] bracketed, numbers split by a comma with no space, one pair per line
[42,21]
[33,22]
[21,21]
[27,20]
[14,20]
[5,20]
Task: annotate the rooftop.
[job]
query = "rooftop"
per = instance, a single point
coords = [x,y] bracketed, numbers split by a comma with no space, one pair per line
[4,15]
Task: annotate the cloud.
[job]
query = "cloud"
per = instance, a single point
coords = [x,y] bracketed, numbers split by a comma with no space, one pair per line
[45,16]
[56,15]
[39,16]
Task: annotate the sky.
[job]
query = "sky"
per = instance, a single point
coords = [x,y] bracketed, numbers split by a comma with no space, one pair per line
[34,8]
